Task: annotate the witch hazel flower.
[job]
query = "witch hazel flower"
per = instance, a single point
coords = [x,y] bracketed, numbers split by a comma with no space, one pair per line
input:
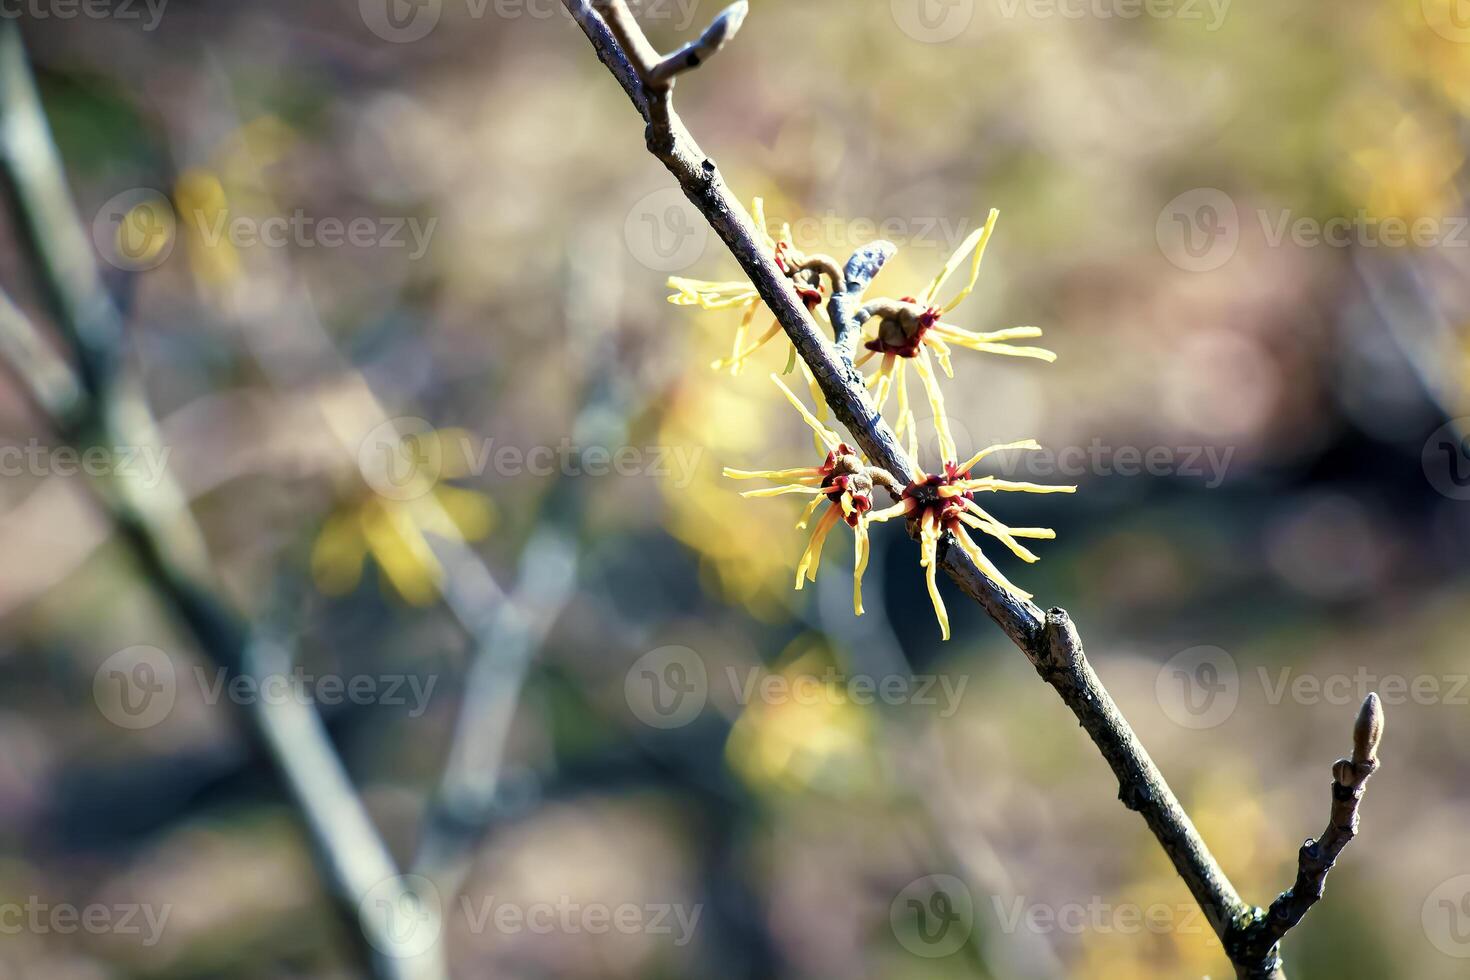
[843,481]
[944,503]
[911,329]
[804,271]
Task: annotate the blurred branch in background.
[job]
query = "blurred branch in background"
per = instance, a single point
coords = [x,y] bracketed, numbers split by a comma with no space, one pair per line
[917,759]
[1051,641]
[100,408]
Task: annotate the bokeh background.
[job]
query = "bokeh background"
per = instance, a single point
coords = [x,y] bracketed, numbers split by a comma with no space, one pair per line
[1243,229]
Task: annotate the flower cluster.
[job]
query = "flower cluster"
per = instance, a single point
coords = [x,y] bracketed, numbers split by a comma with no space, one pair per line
[895,332]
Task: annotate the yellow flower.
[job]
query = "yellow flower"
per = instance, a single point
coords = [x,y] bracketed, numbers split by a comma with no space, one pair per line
[394,529]
[843,480]
[813,739]
[742,294]
[945,503]
[908,329]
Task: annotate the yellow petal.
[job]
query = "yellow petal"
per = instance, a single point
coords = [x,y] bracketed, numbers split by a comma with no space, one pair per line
[991,572]
[991,483]
[983,522]
[900,509]
[402,553]
[737,360]
[827,435]
[947,449]
[860,564]
[338,553]
[791,474]
[812,557]
[928,557]
[977,241]
[806,514]
[779,491]
[975,459]
[984,347]
[471,513]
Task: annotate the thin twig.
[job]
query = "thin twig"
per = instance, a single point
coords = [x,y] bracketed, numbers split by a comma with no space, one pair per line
[1258,956]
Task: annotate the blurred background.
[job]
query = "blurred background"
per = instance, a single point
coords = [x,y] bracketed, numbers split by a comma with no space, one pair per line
[1243,229]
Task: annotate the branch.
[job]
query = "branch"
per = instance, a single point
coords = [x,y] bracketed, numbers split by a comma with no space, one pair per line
[847,318]
[696,53]
[1259,957]
[96,408]
[1060,661]
[506,644]
[841,385]
[1050,642]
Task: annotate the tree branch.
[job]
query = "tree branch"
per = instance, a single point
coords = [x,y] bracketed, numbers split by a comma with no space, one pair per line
[1259,956]
[1049,641]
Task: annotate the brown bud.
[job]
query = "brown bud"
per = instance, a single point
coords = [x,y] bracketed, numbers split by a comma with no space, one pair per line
[1368,731]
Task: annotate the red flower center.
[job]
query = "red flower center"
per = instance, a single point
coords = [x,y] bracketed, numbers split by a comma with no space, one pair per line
[902,336]
[926,493]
